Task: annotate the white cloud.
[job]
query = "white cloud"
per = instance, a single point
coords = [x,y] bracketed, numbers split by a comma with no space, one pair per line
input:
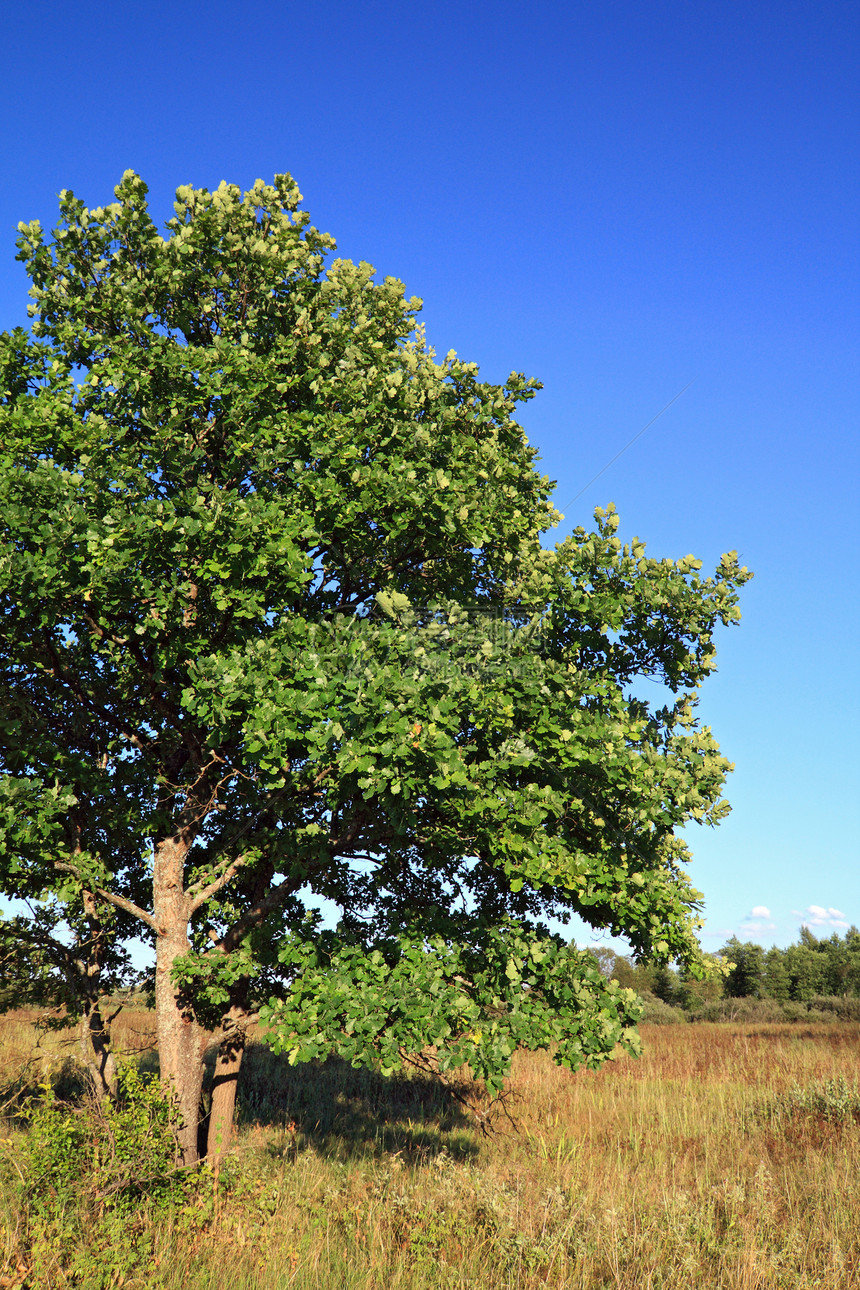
[818,916]
[758,921]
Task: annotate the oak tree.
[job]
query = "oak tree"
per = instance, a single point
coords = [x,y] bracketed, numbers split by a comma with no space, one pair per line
[279,630]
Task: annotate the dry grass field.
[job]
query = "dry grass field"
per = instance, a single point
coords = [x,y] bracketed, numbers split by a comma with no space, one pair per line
[726,1156]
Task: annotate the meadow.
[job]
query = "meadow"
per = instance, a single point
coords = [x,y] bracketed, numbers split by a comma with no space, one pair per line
[728,1155]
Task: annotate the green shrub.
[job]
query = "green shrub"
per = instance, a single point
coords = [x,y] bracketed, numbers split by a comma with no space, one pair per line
[743,1010]
[836,1007]
[93,1177]
[748,1011]
[822,1008]
[657,1013]
[834,1100]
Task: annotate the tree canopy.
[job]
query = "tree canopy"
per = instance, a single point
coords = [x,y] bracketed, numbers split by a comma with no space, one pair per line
[279,628]
[810,967]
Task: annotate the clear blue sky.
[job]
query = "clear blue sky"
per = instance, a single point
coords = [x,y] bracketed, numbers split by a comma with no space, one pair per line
[616,198]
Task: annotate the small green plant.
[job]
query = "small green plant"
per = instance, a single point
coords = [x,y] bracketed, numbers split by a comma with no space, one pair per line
[833,1100]
[94,1179]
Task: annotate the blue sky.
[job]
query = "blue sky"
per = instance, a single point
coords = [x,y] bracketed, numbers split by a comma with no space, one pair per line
[616,198]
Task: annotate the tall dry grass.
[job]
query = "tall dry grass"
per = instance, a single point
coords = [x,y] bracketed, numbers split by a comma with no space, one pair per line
[726,1156]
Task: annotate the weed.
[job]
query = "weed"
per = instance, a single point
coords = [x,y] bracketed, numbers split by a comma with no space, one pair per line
[833,1100]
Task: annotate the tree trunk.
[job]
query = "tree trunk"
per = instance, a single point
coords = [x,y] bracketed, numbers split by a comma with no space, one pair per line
[94,1040]
[180,1041]
[231,1049]
[93,1031]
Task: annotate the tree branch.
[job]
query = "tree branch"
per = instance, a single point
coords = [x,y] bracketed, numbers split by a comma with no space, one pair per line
[128,906]
[206,893]
[61,674]
[258,912]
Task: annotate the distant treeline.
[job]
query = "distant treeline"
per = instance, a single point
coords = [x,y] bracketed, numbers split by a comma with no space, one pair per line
[811,976]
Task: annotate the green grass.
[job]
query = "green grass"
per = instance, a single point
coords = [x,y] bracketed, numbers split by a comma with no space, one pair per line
[727,1156]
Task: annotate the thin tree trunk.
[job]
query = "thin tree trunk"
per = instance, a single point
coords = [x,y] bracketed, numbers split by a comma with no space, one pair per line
[180,1041]
[94,1040]
[228,1062]
[93,1030]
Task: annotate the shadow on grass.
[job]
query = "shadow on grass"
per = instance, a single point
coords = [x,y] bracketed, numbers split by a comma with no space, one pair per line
[340,1111]
[343,1112]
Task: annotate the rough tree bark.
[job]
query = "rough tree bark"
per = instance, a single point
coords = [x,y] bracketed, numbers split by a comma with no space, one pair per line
[180,1039]
[228,1062]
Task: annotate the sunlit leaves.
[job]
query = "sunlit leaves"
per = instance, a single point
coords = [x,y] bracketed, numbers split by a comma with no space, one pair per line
[273,585]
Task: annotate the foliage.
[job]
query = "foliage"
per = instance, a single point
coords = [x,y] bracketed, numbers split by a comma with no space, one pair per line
[834,1100]
[775,978]
[656,1012]
[53,957]
[67,958]
[279,626]
[364,1007]
[746,975]
[811,980]
[95,1177]
[127,1145]
[809,968]
[753,1010]
[836,1007]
